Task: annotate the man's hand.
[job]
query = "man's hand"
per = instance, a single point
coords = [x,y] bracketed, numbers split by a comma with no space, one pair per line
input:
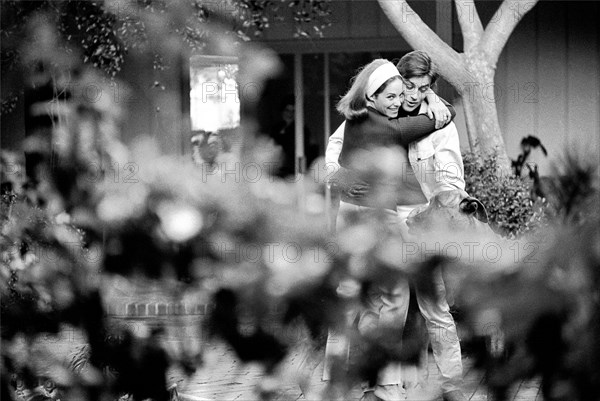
[438,110]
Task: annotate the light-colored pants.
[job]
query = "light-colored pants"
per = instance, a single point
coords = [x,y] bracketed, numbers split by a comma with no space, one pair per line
[386,306]
[391,307]
[439,322]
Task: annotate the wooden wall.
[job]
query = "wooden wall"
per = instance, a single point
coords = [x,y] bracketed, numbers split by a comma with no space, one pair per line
[549,76]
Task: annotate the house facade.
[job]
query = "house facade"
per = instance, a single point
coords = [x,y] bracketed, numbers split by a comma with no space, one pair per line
[547,81]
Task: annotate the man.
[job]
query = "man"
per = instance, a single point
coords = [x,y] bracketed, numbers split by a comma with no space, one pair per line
[437,163]
[283,134]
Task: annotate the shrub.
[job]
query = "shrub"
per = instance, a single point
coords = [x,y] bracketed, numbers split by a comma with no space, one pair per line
[511,209]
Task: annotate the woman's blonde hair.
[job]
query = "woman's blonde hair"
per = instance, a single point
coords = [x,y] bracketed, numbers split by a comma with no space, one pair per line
[353,105]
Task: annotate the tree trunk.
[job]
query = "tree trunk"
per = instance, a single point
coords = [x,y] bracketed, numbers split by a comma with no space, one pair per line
[481,113]
[473,78]
[482,116]
[471,73]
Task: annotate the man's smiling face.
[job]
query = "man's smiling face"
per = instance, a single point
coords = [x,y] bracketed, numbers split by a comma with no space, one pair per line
[415,94]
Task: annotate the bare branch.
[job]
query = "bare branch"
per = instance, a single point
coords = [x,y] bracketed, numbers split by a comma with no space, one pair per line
[469,21]
[419,36]
[501,27]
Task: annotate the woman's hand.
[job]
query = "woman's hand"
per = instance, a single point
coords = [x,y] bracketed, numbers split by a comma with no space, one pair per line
[437,109]
[358,191]
[348,183]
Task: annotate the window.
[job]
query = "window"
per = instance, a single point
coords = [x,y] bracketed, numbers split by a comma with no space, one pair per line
[214,108]
[214,98]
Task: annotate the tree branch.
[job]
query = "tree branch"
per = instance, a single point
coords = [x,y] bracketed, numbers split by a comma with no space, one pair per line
[501,27]
[469,21]
[420,37]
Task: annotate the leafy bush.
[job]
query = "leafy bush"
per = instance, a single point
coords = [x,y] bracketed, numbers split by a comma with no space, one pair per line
[511,208]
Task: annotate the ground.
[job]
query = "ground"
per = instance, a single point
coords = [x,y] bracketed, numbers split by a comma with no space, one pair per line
[222,378]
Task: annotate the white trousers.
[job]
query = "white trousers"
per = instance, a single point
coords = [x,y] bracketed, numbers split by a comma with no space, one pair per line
[440,324]
[389,307]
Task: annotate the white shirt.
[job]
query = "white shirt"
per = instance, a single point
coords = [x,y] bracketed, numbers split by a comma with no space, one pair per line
[435,159]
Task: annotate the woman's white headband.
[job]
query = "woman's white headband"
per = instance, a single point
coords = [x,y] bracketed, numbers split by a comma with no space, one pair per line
[380,76]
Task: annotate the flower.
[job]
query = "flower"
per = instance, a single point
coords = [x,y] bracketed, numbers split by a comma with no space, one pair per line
[179,222]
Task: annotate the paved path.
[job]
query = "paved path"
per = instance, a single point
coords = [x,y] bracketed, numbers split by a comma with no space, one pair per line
[224,379]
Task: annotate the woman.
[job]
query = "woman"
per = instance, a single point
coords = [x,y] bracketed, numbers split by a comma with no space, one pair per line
[370,107]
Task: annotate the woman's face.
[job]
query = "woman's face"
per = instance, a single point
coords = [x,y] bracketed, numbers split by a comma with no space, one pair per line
[390,99]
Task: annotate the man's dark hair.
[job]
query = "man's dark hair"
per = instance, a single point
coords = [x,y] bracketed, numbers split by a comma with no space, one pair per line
[417,64]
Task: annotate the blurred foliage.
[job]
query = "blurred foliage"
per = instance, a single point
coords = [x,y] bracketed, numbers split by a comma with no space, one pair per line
[85,25]
[572,190]
[543,307]
[104,32]
[310,17]
[8,103]
[542,317]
